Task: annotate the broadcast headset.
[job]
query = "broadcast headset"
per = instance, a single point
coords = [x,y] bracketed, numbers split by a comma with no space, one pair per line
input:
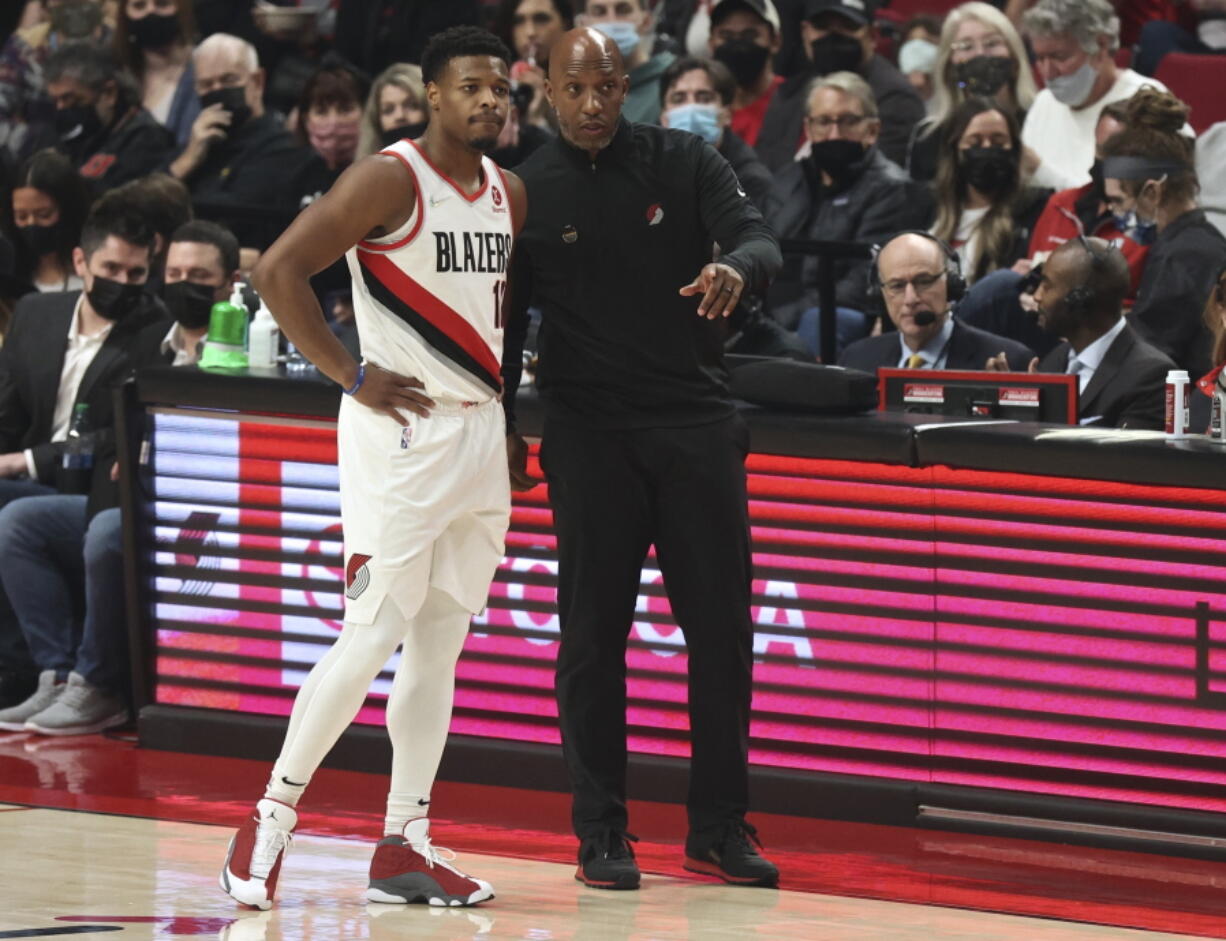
[955,283]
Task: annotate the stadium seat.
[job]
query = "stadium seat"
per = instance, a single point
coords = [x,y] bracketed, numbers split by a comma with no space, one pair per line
[1198,80]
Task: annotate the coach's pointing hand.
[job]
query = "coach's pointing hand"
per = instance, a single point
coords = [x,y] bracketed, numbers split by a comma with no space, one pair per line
[720,287]
[386,391]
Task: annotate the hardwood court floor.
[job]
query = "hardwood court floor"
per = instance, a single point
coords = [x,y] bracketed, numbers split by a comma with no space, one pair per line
[157,879]
[93,830]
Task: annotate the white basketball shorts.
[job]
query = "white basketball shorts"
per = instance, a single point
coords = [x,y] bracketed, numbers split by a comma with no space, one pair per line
[423,505]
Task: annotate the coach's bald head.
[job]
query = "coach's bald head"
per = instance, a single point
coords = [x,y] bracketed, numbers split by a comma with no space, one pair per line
[587,86]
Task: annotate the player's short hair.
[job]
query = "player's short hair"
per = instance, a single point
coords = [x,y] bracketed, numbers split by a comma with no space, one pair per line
[210,233]
[456,42]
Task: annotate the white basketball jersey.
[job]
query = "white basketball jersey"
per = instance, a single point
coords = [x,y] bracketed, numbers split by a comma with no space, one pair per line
[428,298]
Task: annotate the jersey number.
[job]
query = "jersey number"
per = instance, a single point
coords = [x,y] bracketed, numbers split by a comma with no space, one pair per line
[500,298]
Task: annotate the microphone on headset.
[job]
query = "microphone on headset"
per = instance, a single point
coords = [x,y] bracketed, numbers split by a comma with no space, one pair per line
[924,317]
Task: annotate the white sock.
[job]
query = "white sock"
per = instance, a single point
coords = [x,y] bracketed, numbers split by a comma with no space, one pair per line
[401,808]
[281,788]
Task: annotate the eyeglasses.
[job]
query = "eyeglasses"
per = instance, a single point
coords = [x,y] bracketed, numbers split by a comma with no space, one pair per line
[991,46]
[845,122]
[923,283]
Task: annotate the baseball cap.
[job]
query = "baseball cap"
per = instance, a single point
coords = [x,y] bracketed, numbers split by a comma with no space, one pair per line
[859,12]
[764,9]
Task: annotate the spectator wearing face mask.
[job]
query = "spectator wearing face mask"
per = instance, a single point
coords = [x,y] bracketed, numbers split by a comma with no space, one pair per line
[50,202]
[244,170]
[985,212]
[631,25]
[917,55]
[744,38]
[395,109]
[153,40]
[1074,43]
[99,120]
[164,203]
[845,190]
[1149,172]
[25,110]
[839,36]
[696,96]
[329,114]
[980,55]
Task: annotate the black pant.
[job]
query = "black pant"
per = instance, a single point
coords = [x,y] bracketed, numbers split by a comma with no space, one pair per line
[614,494]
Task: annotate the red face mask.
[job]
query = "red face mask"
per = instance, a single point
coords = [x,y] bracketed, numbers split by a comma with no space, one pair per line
[334,138]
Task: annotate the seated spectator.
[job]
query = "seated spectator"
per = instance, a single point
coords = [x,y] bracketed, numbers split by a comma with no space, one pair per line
[1121,378]
[745,37]
[529,27]
[329,115]
[917,56]
[631,25]
[1149,171]
[395,109]
[1158,37]
[62,351]
[918,279]
[101,124]
[1074,43]
[697,95]
[61,553]
[242,167]
[153,40]
[980,56]
[164,203]
[845,190]
[26,113]
[984,210]
[839,36]
[50,202]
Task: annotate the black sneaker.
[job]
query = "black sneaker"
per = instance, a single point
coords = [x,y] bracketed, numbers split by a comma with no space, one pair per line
[729,854]
[606,861]
[16,686]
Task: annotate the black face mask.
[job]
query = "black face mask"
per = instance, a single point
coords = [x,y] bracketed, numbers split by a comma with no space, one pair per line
[745,59]
[77,124]
[233,99]
[410,131]
[75,20]
[114,300]
[984,75]
[41,239]
[991,170]
[189,304]
[836,157]
[836,52]
[154,30]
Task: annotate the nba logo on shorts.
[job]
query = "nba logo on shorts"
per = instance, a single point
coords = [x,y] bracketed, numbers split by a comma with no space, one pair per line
[406,437]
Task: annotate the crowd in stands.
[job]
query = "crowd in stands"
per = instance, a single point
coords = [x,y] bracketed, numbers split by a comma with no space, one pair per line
[1039,201]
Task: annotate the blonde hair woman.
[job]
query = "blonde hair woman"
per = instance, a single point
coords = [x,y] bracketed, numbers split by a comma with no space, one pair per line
[980,55]
[395,108]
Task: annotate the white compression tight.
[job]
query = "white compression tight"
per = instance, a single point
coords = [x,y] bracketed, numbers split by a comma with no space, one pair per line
[418,708]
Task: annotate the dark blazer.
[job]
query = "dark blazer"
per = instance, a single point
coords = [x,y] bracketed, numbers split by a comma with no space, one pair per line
[969,348]
[1128,389]
[31,361]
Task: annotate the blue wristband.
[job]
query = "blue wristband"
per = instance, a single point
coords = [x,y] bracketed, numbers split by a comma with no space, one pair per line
[357,383]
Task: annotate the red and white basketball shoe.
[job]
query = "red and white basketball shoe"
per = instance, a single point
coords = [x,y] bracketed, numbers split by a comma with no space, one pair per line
[256,850]
[408,869]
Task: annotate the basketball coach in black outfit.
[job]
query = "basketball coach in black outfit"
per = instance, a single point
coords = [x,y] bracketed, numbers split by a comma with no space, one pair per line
[641,443]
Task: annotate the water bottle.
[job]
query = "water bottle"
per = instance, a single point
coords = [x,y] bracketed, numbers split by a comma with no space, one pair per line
[77,459]
[1217,426]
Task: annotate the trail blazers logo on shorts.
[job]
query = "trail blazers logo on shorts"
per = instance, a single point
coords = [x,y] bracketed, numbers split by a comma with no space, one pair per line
[357,576]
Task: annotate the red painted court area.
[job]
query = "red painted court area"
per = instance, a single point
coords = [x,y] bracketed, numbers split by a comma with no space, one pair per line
[111,776]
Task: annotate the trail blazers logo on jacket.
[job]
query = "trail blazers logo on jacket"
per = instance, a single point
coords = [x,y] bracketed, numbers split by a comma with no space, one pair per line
[655,214]
[357,576]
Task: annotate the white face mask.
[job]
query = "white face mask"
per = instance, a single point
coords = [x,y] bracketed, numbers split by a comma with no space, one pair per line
[1073,90]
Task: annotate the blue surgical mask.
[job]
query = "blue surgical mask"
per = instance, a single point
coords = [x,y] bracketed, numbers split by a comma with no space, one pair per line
[702,120]
[622,33]
[1073,90]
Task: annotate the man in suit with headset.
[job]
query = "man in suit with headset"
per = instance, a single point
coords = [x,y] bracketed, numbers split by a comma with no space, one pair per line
[919,279]
[1121,378]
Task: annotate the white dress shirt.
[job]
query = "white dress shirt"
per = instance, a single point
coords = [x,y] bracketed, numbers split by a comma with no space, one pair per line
[177,342]
[78,354]
[934,352]
[1084,364]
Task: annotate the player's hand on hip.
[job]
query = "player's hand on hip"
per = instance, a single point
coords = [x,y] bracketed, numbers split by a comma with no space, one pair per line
[389,392]
[721,287]
[517,463]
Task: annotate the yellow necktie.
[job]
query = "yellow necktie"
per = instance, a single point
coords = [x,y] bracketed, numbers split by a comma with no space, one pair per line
[915,361]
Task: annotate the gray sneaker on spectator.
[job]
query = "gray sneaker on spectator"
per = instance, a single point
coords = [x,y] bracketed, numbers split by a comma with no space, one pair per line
[80,709]
[14,718]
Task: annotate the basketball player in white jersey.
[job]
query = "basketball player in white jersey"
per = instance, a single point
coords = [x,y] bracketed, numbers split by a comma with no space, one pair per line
[426,226]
